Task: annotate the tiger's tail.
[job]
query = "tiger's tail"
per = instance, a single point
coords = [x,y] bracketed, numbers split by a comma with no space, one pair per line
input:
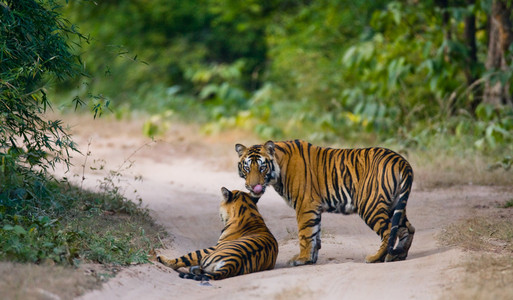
[399,211]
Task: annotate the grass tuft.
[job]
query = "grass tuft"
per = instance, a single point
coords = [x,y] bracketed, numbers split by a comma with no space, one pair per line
[508,204]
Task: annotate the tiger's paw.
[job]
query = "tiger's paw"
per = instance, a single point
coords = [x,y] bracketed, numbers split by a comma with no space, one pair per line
[299,261]
[165,261]
[162,259]
[376,258]
[396,256]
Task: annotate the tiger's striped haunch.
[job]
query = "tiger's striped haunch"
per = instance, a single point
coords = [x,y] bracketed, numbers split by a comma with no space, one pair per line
[373,182]
[246,245]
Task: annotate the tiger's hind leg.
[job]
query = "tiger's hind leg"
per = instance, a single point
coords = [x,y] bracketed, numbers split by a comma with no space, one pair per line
[384,232]
[188,260]
[169,262]
[379,256]
[401,228]
[405,235]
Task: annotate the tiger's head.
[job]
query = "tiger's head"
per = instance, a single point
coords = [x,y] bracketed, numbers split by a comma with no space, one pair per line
[258,167]
[235,203]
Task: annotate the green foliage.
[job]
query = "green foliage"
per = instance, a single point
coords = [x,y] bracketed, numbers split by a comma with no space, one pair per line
[50,220]
[40,218]
[170,41]
[494,125]
[359,71]
[44,219]
[33,49]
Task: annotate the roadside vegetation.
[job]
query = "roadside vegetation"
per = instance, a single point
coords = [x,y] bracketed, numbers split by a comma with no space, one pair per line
[54,231]
[44,220]
[47,219]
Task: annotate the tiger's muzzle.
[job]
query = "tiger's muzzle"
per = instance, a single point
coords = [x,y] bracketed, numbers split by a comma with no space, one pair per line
[256,190]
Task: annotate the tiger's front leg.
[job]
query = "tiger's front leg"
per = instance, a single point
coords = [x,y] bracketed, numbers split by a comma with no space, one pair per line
[309,232]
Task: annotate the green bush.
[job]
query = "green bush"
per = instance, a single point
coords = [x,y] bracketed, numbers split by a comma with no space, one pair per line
[41,218]
[50,220]
[34,49]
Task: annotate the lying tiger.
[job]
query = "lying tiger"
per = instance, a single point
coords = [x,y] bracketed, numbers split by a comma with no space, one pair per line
[246,245]
[373,182]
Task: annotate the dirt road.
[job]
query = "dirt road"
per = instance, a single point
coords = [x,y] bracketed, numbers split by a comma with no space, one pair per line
[181,179]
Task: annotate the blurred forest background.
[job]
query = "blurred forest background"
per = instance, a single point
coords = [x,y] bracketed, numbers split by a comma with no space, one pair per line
[434,77]
[413,73]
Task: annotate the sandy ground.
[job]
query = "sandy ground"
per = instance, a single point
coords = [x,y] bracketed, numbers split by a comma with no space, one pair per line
[182,174]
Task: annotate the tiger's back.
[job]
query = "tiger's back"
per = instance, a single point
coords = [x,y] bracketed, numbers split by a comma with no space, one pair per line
[246,245]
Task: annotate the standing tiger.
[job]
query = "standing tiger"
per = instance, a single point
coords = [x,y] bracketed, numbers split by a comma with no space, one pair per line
[373,182]
[246,245]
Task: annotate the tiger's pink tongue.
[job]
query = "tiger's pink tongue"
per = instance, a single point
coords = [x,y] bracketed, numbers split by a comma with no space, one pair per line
[257,189]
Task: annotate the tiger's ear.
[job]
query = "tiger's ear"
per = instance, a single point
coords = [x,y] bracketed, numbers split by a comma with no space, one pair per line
[269,147]
[227,195]
[240,149]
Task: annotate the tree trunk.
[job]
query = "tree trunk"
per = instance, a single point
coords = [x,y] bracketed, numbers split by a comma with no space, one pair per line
[446,19]
[500,38]
[470,39]
[471,72]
